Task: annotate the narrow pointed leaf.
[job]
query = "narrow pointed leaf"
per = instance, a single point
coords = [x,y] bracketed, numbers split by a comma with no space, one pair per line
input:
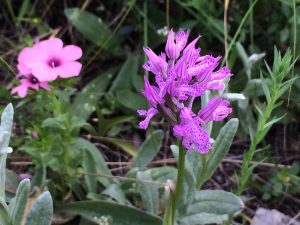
[89,167]
[220,148]
[5,131]
[20,202]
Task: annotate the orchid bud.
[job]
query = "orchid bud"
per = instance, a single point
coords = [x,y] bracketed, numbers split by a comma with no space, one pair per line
[171,48]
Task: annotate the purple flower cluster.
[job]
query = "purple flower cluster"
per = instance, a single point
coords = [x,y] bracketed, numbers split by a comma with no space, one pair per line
[181,75]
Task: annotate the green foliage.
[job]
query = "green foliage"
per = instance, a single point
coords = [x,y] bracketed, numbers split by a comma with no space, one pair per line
[103,106]
[220,148]
[196,170]
[92,28]
[281,181]
[20,201]
[41,210]
[279,85]
[212,206]
[5,132]
[149,149]
[97,160]
[15,213]
[112,212]
[149,193]
[86,101]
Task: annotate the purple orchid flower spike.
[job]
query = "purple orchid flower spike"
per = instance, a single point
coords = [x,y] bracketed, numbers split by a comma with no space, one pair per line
[182,75]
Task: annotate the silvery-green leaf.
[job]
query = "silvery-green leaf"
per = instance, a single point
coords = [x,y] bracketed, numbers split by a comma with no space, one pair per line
[4,213]
[212,206]
[203,218]
[234,96]
[20,202]
[149,193]
[5,131]
[116,214]
[6,150]
[220,148]
[114,191]
[7,119]
[41,210]
[255,57]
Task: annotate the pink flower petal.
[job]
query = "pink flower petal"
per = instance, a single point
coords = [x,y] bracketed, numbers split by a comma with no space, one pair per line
[24,54]
[71,53]
[69,69]
[45,85]
[21,89]
[24,70]
[43,72]
[50,46]
[27,57]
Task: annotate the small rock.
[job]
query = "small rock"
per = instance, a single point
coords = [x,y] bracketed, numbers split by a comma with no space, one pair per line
[272,217]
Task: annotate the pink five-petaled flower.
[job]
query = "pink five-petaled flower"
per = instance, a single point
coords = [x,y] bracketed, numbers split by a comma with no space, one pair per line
[26,78]
[48,60]
[29,82]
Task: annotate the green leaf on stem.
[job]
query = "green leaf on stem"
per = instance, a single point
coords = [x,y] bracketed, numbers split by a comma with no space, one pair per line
[149,149]
[92,28]
[212,206]
[148,192]
[220,148]
[86,100]
[111,212]
[114,191]
[89,167]
[98,160]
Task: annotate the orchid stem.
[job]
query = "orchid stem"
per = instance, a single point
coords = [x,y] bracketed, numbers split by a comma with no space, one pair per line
[179,182]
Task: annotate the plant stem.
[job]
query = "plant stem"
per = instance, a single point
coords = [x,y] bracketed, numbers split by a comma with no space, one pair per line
[179,182]
[233,41]
[145,32]
[281,68]
[248,157]
[294,44]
